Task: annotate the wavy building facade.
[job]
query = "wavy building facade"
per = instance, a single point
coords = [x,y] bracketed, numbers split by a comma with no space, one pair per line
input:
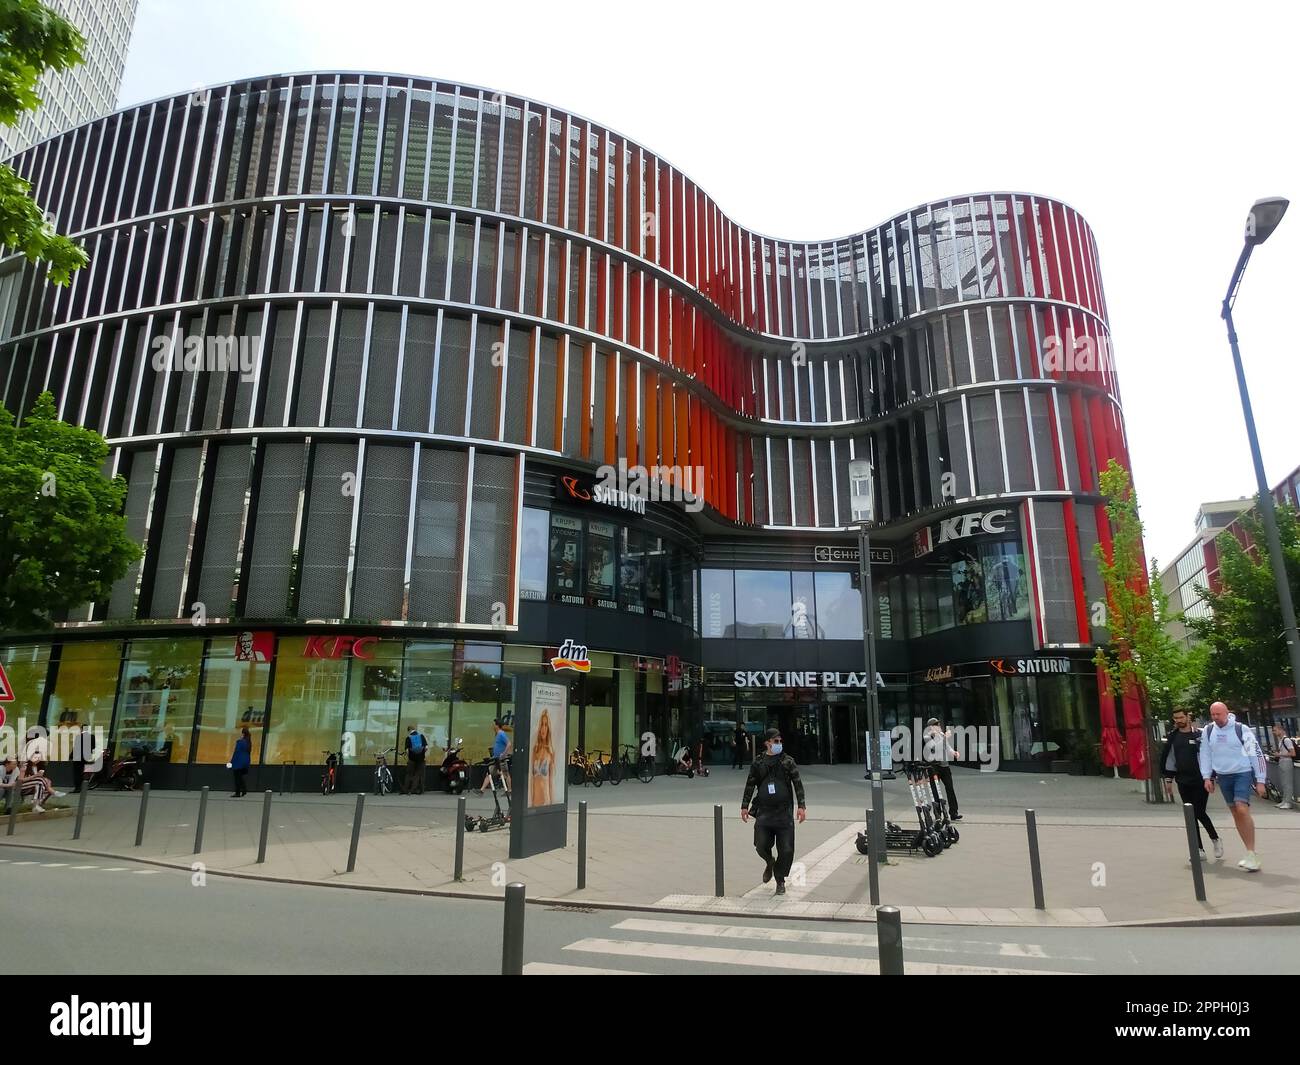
[361,344]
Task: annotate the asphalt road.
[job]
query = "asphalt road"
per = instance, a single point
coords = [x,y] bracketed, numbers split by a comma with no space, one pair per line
[105,916]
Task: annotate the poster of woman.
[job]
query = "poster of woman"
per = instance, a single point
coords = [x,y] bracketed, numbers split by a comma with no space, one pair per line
[547,723]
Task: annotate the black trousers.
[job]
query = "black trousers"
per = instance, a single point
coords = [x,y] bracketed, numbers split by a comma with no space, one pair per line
[240,774]
[1195,793]
[945,774]
[778,832]
[414,781]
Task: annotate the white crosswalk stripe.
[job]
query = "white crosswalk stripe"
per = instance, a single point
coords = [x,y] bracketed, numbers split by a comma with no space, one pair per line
[771,959]
[868,940]
[817,865]
[544,968]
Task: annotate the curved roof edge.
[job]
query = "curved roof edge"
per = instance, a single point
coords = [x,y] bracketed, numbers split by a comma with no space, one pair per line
[575,114]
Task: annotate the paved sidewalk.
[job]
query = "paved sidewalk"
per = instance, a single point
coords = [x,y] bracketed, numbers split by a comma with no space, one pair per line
[1107,856]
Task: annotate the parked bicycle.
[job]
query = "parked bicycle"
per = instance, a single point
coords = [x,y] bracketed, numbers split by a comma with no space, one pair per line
[384,775]
[643,767]
[329,781]
[584,770]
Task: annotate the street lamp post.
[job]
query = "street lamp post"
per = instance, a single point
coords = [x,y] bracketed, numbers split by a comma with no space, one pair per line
[863,509]
[1260,223]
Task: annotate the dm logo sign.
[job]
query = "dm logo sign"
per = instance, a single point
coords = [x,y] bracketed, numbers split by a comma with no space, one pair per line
[571,656]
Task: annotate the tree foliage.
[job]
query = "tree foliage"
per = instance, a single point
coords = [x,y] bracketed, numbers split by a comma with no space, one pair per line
[33,39]
[63,539]
[1246,656]
[1141,655]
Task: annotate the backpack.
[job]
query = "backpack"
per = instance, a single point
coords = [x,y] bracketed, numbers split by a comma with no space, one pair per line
[1209,729]
[417,743]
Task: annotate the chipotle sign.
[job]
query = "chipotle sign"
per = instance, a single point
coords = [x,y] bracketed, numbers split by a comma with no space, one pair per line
[339,646]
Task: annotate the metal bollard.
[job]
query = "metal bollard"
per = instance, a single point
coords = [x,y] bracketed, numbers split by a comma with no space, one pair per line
[582,844]
[718,889]
[144,809]
[889,940]
[459,874]
[512,936]
[81,809]
[1035,863]
[203,816]
[873,868]
[266,825]
[16,800]
[1198,875]
[356,831]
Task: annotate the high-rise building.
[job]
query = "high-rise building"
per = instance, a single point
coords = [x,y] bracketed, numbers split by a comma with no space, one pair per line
[89,89]
[364,346]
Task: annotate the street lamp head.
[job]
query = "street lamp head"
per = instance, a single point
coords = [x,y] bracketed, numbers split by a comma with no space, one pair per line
[862,497]
[1264,217]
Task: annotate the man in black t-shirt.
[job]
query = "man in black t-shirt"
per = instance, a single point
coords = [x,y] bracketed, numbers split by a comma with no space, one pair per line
[1179,764]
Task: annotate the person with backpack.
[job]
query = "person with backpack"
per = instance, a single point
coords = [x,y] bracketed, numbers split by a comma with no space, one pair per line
[1180,764]
[774,786]
[1285,759]
[417,747]
[1231,760]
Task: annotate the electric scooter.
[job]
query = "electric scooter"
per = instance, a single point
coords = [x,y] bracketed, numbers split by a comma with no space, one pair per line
[918,779]
[923,838]
[498,818]
[944,823]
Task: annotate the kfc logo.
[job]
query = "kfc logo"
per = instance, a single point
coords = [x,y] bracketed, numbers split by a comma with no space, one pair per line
[327,647]
[254,646]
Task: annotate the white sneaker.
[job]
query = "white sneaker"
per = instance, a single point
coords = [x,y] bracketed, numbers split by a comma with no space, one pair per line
[1218,849]
[1283,805]
[1203,857]
[37,808]
[1250,863]
[60,794]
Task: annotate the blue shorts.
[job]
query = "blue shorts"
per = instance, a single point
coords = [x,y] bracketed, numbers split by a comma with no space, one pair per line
[1236,787]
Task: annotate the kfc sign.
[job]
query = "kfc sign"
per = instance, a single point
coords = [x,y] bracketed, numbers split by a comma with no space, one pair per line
[336,646]
[254,646]
[987,522]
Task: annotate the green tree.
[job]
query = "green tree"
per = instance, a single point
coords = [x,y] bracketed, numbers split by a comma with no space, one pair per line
[33,39]
[63,539]
[1141,657]
[1245,655]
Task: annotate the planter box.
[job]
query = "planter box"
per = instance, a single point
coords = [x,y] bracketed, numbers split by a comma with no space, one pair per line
[52,813]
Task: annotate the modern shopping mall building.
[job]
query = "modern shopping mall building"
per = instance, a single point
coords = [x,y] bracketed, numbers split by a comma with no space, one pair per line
[361,344]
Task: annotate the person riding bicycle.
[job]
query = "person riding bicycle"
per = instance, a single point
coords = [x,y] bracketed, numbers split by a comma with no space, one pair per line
[501,748]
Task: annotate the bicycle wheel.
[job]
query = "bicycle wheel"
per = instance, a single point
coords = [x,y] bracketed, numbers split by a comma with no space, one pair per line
[615,771]
[576,774]
[646,770]
[597,777]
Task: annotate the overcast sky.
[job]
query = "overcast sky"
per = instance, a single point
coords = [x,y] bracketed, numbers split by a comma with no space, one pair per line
[1162,124]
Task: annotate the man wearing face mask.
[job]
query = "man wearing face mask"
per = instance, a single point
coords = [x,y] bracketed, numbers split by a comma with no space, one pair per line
[774,786]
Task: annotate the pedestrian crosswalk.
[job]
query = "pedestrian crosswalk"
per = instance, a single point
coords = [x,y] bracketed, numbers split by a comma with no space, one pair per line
[640,946]
[83,868]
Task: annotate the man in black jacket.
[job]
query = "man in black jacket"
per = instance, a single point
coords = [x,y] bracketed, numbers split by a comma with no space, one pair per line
[416,748]
[774,785]
[1179,763]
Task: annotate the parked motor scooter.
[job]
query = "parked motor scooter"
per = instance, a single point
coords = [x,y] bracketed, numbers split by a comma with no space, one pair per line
[454,769]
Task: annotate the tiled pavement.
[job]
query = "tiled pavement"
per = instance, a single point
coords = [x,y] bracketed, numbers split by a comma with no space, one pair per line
[1104,862]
